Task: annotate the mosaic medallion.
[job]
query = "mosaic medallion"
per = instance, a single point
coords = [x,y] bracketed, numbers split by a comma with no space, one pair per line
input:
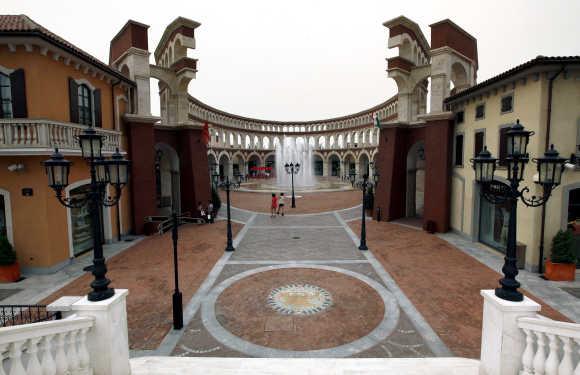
[299,299]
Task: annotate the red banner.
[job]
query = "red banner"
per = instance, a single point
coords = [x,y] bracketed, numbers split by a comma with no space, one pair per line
[261,168]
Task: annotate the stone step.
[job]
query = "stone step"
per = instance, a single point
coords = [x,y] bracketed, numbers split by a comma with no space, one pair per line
[310,366]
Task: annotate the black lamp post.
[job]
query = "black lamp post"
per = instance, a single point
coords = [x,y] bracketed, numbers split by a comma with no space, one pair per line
[115,172]
[363,185]
[228,185]
[292,169]
[550,168]
[177,297]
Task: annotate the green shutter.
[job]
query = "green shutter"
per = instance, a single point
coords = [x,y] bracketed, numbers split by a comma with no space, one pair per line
[18,91]
[73,93]
[98,115]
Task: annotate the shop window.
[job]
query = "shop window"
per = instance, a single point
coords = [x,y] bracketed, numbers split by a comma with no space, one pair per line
[480,111]
[507,103]
[3,217]
[479,142]
[459,150]
[493,228]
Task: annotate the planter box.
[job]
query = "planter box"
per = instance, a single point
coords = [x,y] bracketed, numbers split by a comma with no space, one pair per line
[560,271]
[9,274]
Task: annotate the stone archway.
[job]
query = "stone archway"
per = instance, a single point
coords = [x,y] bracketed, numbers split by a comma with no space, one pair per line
[167,180]
[318,165]
[415,190]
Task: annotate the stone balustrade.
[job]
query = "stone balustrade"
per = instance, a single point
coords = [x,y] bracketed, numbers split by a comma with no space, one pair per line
[552,347]
[30,136]
[46,348]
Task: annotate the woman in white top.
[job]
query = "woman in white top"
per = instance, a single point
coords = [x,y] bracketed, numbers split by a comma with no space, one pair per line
[281,204]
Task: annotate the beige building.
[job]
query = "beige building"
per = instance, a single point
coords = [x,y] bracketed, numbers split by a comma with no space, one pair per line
[544,94]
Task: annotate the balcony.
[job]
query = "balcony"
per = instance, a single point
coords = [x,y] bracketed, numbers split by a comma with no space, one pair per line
[40,137]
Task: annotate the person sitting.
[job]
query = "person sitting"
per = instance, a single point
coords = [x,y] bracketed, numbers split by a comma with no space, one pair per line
[210,212]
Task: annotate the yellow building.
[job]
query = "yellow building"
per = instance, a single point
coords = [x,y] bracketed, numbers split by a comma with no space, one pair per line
[51,91]
[544,94]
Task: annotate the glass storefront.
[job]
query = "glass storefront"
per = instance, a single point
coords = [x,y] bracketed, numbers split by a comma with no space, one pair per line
[493,224]
[82,235]
[3,219]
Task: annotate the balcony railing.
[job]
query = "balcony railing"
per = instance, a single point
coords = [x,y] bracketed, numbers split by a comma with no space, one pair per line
[32,136]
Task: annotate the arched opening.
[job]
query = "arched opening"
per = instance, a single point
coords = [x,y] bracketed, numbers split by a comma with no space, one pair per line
[322,142]
[224,166]
[415,192]
[363,164]
[6,216]
[238,164]
[248,142]
[334,165]
[253,162]
[167,179]
[266,143]
[349,165]
[458,78]
[340,141]
[318,165]
[271,163]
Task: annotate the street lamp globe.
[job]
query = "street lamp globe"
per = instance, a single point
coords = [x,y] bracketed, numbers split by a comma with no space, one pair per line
[91,144]
[118,170]
[517,140]
[484,166]
[376,177]
[550,168]
[296,167]
[57,170]
[101,174]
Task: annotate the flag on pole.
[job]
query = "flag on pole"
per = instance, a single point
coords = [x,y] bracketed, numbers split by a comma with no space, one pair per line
[376,120]
[205,134]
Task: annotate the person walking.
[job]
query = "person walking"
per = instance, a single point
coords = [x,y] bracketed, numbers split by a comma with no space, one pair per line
[210,211]
[281,204]
[273,205]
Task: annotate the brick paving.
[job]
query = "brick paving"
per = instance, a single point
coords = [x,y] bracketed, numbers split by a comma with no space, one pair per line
[307,203]
[276,252]
[146,269]
[440,280]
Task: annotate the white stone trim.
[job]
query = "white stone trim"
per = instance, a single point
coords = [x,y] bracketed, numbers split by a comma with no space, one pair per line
[8,212]
[5,70]
[107,227]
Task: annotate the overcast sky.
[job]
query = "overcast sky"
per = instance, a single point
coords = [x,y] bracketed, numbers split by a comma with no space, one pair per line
[307,59]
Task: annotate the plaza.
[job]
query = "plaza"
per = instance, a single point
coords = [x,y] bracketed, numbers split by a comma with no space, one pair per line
[202,239]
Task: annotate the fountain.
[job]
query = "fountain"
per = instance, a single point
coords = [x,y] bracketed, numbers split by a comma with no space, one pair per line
[294,150]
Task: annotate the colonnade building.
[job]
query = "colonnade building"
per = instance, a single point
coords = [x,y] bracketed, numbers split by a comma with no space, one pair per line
[421,151]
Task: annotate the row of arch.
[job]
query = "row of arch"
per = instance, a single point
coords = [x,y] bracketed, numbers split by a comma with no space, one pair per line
[205,113]
[223,138]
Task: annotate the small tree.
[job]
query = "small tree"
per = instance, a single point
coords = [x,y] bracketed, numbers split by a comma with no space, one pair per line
[563,248]
[7,254]
[215,199]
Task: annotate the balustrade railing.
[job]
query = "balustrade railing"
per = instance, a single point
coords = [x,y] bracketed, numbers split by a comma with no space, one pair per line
[28,134]
[552,347]
[47,348]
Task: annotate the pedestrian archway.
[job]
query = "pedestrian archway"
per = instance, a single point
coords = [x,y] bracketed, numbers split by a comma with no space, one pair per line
[167,179]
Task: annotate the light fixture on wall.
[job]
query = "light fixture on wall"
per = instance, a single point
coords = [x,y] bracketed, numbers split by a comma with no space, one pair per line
[16,167]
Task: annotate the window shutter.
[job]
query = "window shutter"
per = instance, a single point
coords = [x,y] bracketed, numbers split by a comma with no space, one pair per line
[18,88]
[98,116]
[73,93]
[503,145]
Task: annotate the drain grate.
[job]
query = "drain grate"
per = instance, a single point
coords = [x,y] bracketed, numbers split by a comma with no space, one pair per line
[295,238]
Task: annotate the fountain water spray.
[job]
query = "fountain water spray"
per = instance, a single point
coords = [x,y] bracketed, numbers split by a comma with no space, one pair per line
[294,150]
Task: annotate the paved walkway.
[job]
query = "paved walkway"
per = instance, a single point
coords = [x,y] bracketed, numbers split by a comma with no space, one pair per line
[249,304]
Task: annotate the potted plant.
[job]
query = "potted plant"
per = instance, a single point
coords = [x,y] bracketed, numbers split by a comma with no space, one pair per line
[9,269]
[562,263]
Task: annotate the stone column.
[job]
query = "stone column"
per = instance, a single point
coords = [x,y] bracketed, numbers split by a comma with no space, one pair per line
[108,340]
[502,342]
[325,168]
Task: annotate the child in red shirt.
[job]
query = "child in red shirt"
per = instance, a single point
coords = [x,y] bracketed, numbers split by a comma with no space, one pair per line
[274,205]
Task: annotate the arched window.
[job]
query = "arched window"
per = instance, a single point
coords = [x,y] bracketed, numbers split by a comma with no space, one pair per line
[5,96]
[85,105]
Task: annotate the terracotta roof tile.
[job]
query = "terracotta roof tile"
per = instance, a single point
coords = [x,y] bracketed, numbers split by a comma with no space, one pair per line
[21,24]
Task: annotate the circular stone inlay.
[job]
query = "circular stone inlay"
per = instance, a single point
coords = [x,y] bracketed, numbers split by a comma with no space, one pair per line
[299,299]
